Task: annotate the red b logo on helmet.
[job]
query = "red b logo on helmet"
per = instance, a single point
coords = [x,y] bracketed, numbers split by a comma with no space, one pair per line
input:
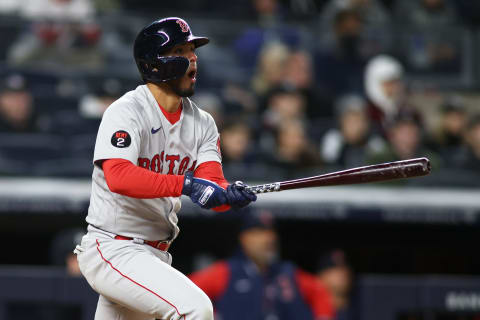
[183,25]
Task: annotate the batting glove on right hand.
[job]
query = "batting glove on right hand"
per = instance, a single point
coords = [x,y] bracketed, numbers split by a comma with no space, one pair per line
[205,193]
[238,196]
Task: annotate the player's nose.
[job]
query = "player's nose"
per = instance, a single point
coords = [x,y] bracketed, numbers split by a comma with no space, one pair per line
[192,57]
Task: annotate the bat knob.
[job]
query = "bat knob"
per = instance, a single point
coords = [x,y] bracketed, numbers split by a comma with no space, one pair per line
[239,185]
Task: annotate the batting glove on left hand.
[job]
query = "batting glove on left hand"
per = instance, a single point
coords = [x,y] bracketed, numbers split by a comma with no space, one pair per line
[238,196]
[205,193]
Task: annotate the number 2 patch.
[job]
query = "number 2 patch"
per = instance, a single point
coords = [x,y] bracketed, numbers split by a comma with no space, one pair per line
[121,139]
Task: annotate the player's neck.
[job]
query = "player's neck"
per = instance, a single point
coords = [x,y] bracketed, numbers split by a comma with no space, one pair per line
[169,101]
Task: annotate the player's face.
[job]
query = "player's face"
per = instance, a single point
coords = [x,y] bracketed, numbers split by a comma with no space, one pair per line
[185,86]
[260,245]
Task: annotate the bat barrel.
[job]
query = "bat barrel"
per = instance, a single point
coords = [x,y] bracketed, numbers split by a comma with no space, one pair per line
[373,173]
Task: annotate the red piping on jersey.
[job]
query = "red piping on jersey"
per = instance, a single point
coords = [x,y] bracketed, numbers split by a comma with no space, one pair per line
[213,280]
[172,117]
[138,284]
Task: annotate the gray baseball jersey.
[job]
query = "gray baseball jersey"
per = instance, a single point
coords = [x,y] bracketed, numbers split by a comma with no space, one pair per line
[134,128]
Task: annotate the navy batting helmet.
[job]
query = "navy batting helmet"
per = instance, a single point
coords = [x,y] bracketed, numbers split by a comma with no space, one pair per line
[157,38]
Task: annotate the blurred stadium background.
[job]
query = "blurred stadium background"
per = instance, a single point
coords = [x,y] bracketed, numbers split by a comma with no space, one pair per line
[297,87]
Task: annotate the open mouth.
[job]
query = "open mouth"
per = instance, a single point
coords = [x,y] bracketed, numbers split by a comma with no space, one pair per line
[192,74]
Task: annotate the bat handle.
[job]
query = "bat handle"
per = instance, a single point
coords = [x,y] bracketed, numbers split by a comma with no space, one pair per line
[263,188]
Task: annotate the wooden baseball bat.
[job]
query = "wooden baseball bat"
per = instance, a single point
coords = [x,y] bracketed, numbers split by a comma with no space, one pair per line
[373,173]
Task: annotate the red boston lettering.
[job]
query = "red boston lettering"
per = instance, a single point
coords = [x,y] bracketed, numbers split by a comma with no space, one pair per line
[183,165]
[171,162]
[156,165]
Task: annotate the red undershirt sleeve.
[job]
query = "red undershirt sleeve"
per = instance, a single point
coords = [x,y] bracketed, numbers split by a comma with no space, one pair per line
[127,179]
[212,280]
[212,170]
[315,295]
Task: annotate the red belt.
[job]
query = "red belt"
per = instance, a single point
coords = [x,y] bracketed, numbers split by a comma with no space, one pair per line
[160,244]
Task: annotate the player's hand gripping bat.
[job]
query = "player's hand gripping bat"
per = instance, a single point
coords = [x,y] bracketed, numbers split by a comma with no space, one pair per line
[373,173]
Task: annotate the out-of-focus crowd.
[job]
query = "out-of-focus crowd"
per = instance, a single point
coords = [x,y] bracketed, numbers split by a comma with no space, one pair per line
[295,87]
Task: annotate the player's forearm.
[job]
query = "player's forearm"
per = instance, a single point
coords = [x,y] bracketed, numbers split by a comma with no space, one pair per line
[212,171]
[125,178]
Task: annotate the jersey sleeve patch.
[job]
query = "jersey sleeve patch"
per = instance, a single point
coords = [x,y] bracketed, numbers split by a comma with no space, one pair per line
[121,139]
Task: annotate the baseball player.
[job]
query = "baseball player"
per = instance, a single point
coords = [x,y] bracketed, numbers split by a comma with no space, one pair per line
[153,145]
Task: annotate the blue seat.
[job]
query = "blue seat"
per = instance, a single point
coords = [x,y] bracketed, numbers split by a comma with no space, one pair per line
[19,153]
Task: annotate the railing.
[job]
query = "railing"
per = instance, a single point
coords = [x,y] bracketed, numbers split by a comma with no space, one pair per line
[48,293]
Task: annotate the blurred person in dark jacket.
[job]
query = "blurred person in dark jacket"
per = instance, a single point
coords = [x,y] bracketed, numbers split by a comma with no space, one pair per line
[334,271]
[299,74]
[372,12]
[339,62]
[448,138]
[255,284]
[17,112]
[405,141]
[348,145]
[469,158]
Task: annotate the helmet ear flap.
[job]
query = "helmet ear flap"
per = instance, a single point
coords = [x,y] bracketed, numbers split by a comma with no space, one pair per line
[166,68]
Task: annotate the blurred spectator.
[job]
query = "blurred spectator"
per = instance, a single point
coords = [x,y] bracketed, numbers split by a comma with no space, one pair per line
[62,33]
[211,103]
[270,68]
[469,158]
[424,14]
[255,284]
[267,12]
[339,64]
[270,28]
[448,139]
[283,103]
[432,42]
[17,113]
[336,274]
[103,93]
[57,10]
[239,160]
[299,73]
[61,253]
[348,145]
[385,89]
[405,142]
[293,152]
[85,119]
[372,12]
[239,100]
